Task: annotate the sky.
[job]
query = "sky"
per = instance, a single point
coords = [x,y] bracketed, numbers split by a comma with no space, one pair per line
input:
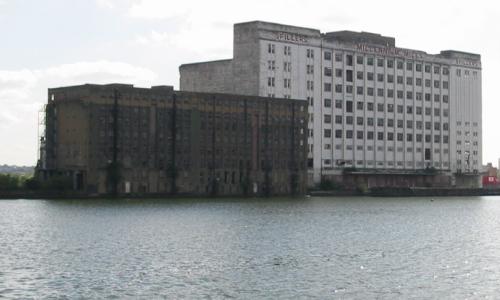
[53,43]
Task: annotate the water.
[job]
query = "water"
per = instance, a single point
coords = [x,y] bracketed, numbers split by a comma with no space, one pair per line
[348,248]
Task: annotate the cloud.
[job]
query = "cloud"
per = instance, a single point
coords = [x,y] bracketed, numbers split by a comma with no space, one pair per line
[109,4]
[23,93]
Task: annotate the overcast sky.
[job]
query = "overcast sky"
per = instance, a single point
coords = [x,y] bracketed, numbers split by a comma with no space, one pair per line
[54,43]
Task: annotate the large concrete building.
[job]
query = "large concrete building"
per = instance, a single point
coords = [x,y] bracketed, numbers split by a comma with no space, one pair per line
[121,139]
[378,114]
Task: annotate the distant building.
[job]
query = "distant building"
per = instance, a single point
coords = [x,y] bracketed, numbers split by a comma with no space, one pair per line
[118,138]
[379,115]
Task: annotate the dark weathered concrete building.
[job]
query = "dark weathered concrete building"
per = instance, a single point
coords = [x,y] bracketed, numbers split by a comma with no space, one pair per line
[120,139]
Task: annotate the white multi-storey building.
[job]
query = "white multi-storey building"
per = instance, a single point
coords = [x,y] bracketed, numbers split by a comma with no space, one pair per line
[374,108]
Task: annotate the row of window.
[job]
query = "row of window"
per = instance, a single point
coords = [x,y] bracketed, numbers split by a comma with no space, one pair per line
[328,162]
[370,91]
[389,136]
[370,61]
[382,148]
[381,122]
[370,106]
[370,76]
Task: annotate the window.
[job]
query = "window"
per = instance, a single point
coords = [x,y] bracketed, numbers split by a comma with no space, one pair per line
[445,98]
[338,134]
[446,71]
[380,92]
[348,134]
[369,106]
[369,76]
[427,83]
[399,79]
[418,124]
[359,134]
[271,65]
[348,58]
[390,122]
[409,124]
[369,61]
[390,107]
[359,121]
[400,94]
[380,107]
[310,69]
[327,87]
[399,137]
[288,50]
[418,96]
[409,80]
[327,133]
[348,75]
[328,72]
[418,67]
[327,119]
[369,91]
[400,109]
[380,62]
[390,63]
[390,136]
[418,110]
[437,70]
[310,85]
[327,55]
[409,137]
[287,66]
[427,97]
[349,120]
[390,93]
[348,89]
[436,112]
[359,105]
[390,78]
[436,84]
[445,85]
[380,77]
[270,81]
[380,122]
[359,75]
[399,64]
[338,119]
[436,97]
[369,135]
[418,138]
[427,68]
[437,138]
[409,95]
[338,103]
[359,90]
[437,126]
[428,125]
[270,48]
[348,106]
[369,121]
[409,109]
[338,73]
[359,60]
[409,66]
[418,81]
[338,88]
[310,53]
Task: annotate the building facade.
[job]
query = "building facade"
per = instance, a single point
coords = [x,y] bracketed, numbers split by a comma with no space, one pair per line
[374,108]
[121,139]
